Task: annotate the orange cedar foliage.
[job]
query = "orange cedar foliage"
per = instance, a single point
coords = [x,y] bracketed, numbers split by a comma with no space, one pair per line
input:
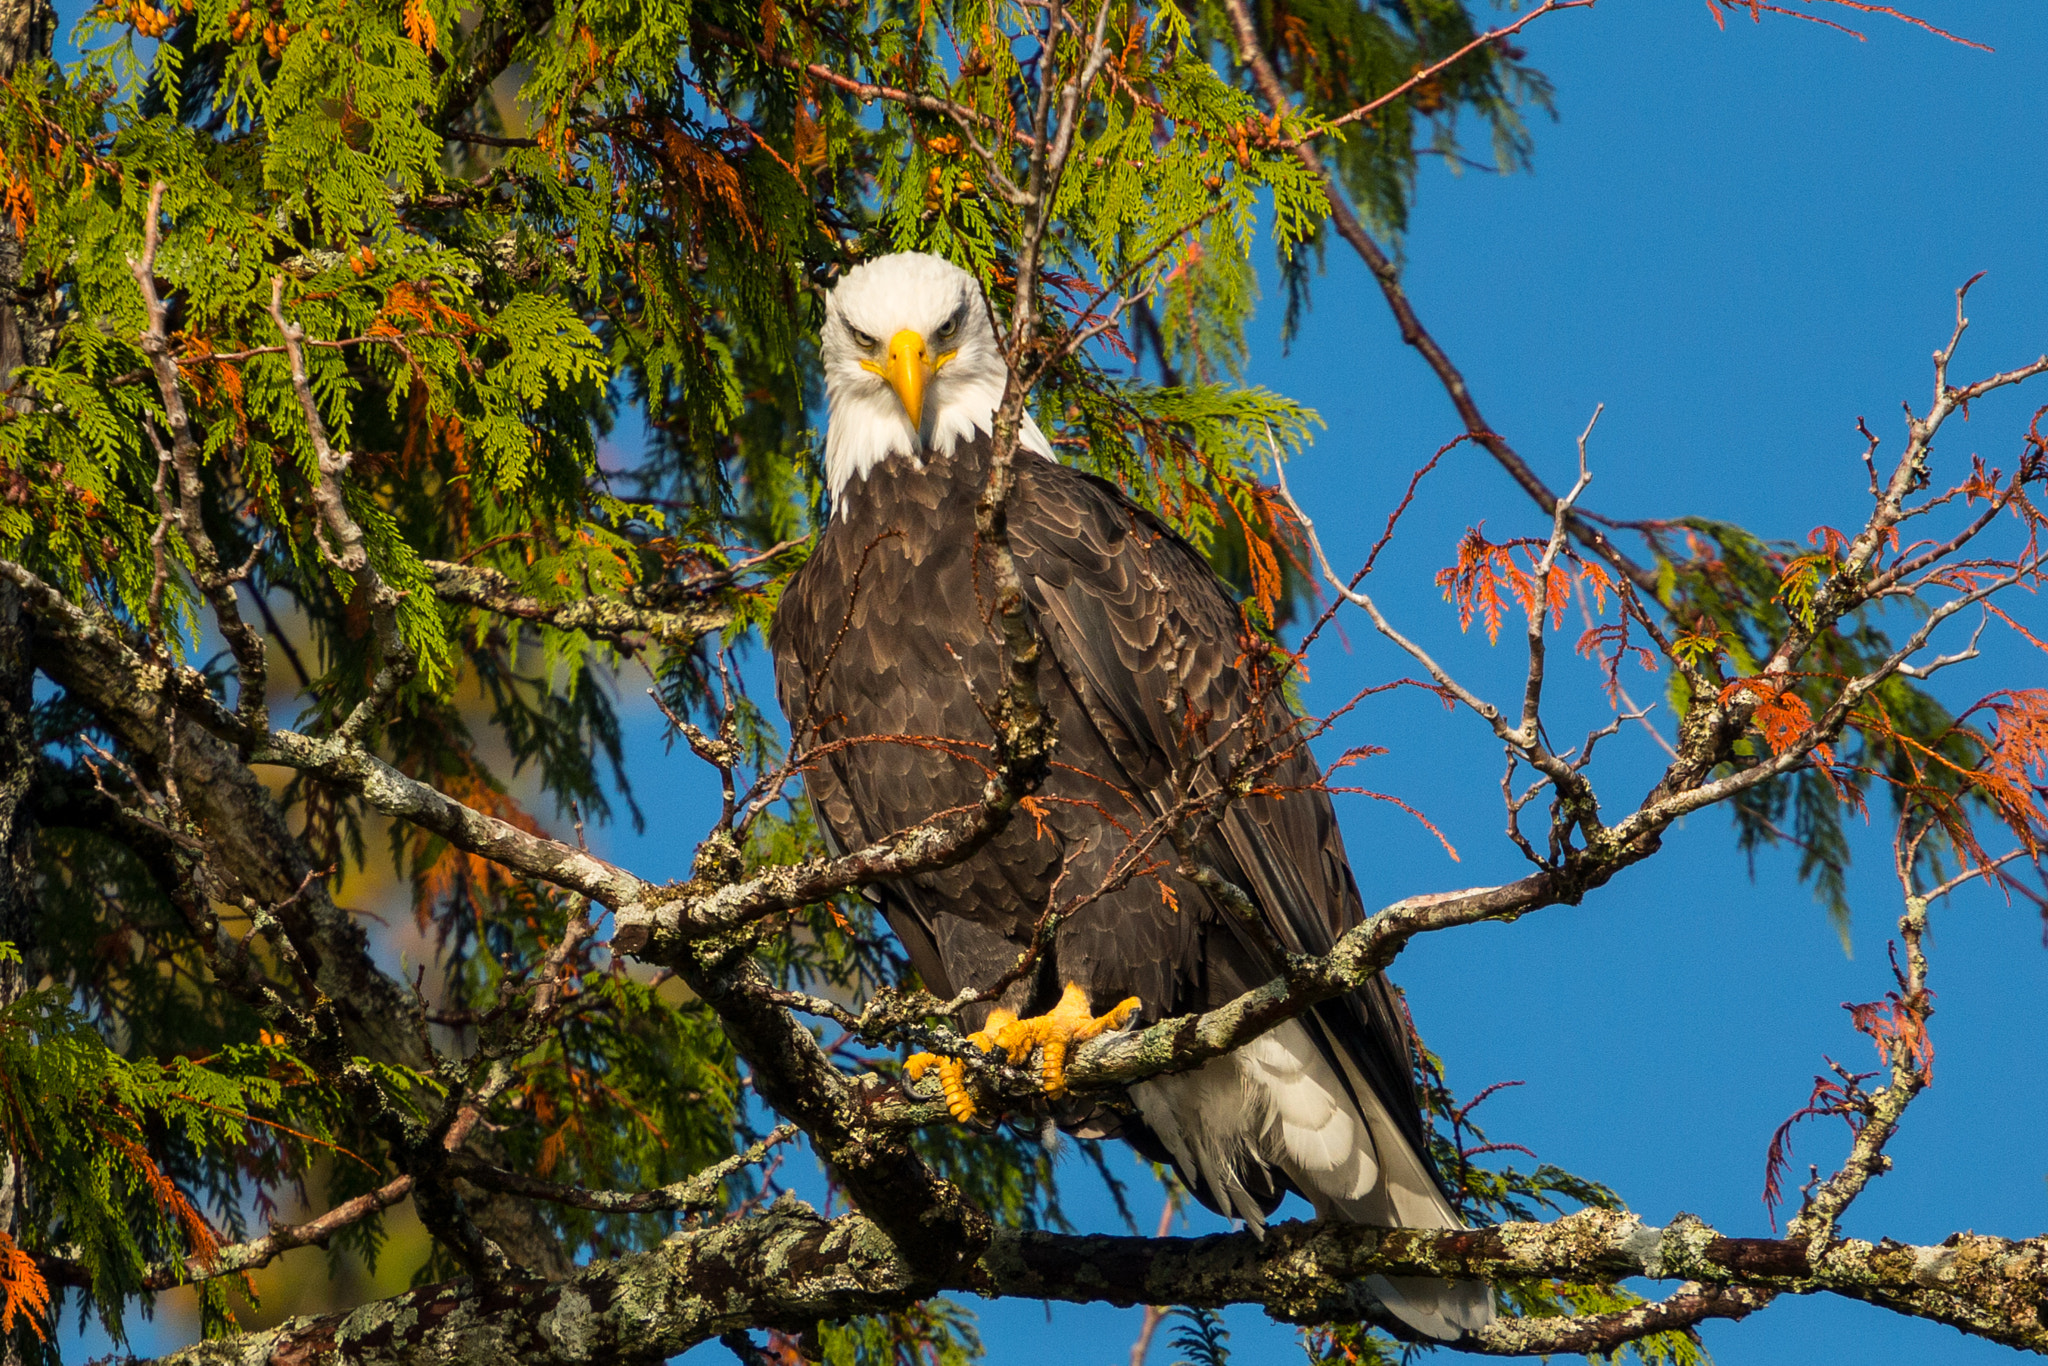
[581,1091]
[1844,1098]
[712,175]
[427,433]
[20,199]
[23,1291]
[2011,776]
[1610,644]
[1134,45]
[553,1148]
[2014,773]
[1781,714]
[455,867]
[809,146]
[1898,1026]
[1301,49]
[1284,533]
[1428,95]
[203,1242]
[1828,541]
[212,383]
[418,304]
[419,26]
[1267,581]
[1474,582]
[1270,528]
[1483,569]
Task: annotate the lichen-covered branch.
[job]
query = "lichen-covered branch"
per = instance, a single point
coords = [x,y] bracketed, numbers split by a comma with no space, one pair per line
[338,762]
[651,921]
[790,1267]
[635,615]
[698,1191]
[255,1253]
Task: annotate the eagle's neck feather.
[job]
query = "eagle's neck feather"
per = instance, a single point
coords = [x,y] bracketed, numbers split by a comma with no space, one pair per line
[867,425]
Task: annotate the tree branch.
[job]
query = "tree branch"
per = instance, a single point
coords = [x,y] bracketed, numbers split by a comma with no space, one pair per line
[602,618]
[1435,69]
[790,1267]
[216,582]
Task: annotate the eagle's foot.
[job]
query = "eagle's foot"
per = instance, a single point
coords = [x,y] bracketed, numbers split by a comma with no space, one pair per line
[1057,1031]
[953,1072]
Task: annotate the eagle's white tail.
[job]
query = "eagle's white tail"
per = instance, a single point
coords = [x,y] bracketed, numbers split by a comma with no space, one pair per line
[1277,1104]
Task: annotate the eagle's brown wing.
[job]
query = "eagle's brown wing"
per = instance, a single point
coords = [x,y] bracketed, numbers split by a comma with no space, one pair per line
[1155,646]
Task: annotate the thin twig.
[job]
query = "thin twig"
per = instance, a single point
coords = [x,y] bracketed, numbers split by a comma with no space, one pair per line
[1435,69]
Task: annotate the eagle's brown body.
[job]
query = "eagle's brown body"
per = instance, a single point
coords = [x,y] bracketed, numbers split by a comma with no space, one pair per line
[886,638]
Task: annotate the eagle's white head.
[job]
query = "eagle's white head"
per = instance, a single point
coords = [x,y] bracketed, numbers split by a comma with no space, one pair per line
[911,365]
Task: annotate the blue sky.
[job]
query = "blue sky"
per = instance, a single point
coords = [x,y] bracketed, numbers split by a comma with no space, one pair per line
[1738,241]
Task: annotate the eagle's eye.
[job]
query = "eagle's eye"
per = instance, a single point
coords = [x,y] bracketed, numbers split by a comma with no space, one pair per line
[861,339]
[948,328]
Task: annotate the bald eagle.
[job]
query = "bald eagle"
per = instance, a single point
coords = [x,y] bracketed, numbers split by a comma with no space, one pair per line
[886,653]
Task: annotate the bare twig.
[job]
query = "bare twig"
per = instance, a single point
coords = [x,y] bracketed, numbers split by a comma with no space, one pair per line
[701,1191]
[1525,739]
[182,459]
[350,550]
[1437,68]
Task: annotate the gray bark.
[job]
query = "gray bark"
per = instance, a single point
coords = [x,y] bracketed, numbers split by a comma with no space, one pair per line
[790,1267]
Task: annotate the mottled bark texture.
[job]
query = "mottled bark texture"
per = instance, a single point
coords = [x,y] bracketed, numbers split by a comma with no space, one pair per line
[791,1267]
[658,613]
[17,884]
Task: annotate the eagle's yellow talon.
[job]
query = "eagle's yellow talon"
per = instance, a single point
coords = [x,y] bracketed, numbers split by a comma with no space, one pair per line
[1057,1031]
[953,1081]
[953,1072]
[1052,1035]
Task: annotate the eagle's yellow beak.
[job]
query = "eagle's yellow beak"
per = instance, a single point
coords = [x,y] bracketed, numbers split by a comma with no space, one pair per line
[909,368]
